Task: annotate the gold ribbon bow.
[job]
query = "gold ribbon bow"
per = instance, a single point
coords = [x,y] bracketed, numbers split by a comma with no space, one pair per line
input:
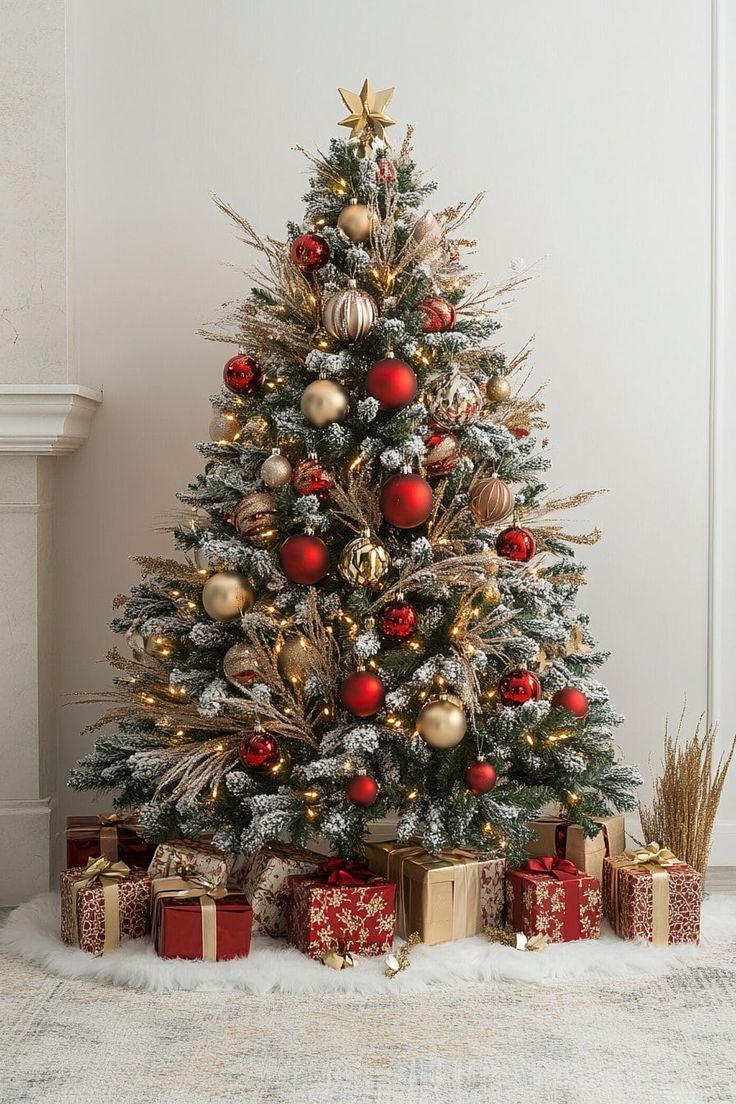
[109,824]
[109,875]
[656,859]
[652,853]
[193,886]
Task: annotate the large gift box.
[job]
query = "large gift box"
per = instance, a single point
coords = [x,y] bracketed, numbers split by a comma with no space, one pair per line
[114,836]
[555,836]
[649,894]
[446,896]
[102,904]
[195,919]
[185,857]
[265,883]
[549,896]
[341,904]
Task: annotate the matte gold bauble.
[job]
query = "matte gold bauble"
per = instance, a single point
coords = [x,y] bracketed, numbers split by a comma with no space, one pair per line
[238,665]
[295,658]
[441,722]
[491,500]
[224,427]
[276,470]
[356,222]
[226,595]
[349,315]
[365,561]
[324,402]
[498,389]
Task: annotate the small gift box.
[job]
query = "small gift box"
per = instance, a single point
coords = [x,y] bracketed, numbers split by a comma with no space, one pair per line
[343,905]
[265,883]
[446,896]
[102,904]
[186,857]
[649,894]
[195,919]
[555,836]
[114,836]
[549,896]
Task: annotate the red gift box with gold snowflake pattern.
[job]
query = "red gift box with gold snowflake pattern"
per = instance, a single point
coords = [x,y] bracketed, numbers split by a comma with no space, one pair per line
[99,912]
[341,904]
[648,897]
[550,896]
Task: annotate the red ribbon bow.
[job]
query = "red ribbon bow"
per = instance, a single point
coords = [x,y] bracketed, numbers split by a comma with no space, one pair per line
[340,871]
[561,869]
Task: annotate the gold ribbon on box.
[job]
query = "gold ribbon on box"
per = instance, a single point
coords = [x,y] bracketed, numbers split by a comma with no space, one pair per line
[109,824]
[109,875]
[655,859]
[190,886]
[466,883]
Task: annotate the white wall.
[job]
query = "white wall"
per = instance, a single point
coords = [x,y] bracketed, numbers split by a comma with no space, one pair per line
[589,127]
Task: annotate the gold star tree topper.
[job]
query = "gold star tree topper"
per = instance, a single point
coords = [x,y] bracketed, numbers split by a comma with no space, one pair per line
[367,119]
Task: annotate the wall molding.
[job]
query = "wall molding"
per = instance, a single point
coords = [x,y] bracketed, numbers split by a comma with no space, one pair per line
[46,419]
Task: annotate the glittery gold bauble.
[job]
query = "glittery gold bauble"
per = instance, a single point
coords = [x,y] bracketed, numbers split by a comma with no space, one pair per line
[349,315]
[492,594]
[295,658]
[491,500]
[276,470]
[365,561]
[239,666]
[498,389]
[441,722]
[255,518]
[324,402]
[226,595]
[356,221]
[224,427]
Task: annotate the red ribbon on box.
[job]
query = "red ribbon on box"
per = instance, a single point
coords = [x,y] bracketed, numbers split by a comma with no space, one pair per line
[344,872]
[565,875]
[561,869]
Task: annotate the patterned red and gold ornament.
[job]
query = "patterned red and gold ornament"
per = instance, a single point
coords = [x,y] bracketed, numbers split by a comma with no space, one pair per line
[309,252]
[392,383]
[311,478]
[456,401]
[571,699]
[519,686]
[397,621]
[365,561]
[406,500]
[480,777]
[362,693]
[238,665]
[304,558]
[362,790]
[255,517]
[439,315]
[242,374]
[443,452]
[385,171]
[516,543]
[259,750]
[491,500]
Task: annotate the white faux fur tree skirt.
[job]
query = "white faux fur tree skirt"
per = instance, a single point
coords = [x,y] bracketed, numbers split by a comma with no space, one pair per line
[32,930]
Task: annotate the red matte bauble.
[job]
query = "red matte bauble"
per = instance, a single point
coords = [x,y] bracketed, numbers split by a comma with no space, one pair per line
[439,315]
[571,699]
[406,500]
[259,750]
[385,171]
[309,252]
[392,382]
[242,374]
[311,478]
[304,558]
[516,543]
[519,686]
[519,432]
[397,621]
[480,777]
[362,693]
[362,790]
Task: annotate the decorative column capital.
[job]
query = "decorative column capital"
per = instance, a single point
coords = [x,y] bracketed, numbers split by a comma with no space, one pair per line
[45,419]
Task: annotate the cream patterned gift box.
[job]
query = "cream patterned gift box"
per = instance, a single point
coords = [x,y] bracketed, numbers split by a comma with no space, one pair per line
[186,857]
[265,883]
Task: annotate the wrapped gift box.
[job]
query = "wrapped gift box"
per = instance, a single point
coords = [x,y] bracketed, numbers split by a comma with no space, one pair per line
[555,836]
[103,904]
[341,904]
[447,896]
[115,836]
[265,883]
[187,857]
[648,894]
[198,920]
[548,896]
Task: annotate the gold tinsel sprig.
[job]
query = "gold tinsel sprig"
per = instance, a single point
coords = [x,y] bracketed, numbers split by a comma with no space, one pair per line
[395,963]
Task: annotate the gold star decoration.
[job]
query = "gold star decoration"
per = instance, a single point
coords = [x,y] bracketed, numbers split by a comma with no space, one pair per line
[367,119]
[575,645]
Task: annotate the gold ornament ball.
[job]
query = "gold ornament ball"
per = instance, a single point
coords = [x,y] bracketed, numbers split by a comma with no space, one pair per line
[349,315]
[238,665]
[365,561]
[492,594]
[276,470]
[491,500]
[356,222]
[295,658]
[441,723]
[324,402]
[224,427]
[226,595]
[498,389]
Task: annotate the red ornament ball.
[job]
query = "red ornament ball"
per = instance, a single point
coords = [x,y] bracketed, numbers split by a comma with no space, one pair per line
[362,790]
[480,777]
[304,558]
[519,686]
[439,315]
[571,699]
[392,382]
[385,171]
[259,750]
[405,500]
[311,478]
[362,693]
[242,374]
[397,621]
[519,432]
[516,543]
[309,252]
[443,452]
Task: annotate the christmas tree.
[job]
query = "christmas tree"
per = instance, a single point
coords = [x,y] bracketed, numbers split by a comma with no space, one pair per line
[375,614]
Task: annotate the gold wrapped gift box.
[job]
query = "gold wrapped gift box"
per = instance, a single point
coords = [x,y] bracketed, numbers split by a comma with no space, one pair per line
[555,836]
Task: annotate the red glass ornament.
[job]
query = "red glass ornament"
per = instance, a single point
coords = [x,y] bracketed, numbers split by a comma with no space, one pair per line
[311,478]
[362,693]
[405,500]
[439,315]
[385,171]
[242,374]
[571,699]
[443,452]
[519,432]
[362,790]
[309,252]
[519,686]
[397,621]
[259,750]
[480,777]
[304,558]
[516,543]
[392,382]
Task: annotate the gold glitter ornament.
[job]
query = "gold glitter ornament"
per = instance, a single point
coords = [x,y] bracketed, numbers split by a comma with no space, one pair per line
[224,427]
[276,470]
[498,389]
[295,658]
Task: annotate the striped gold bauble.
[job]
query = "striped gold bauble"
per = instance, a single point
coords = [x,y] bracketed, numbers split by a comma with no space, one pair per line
[255,518]
[491,500]
[349,315]
[365,561]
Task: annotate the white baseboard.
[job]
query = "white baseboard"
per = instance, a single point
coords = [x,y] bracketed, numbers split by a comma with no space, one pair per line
[723,847]
[25,849]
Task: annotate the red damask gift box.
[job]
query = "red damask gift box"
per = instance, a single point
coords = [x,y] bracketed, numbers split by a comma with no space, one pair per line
[195,919]
[649,894]
[342,903]
[115,836]
[549,896]
[103,904]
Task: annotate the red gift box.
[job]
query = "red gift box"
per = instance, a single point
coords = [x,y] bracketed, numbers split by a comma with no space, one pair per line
[200,921]
[112,835]
[550,896]
[649,894]
[342,903]
[103,904]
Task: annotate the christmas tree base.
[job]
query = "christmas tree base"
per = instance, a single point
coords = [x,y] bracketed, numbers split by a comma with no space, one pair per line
[32,932]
